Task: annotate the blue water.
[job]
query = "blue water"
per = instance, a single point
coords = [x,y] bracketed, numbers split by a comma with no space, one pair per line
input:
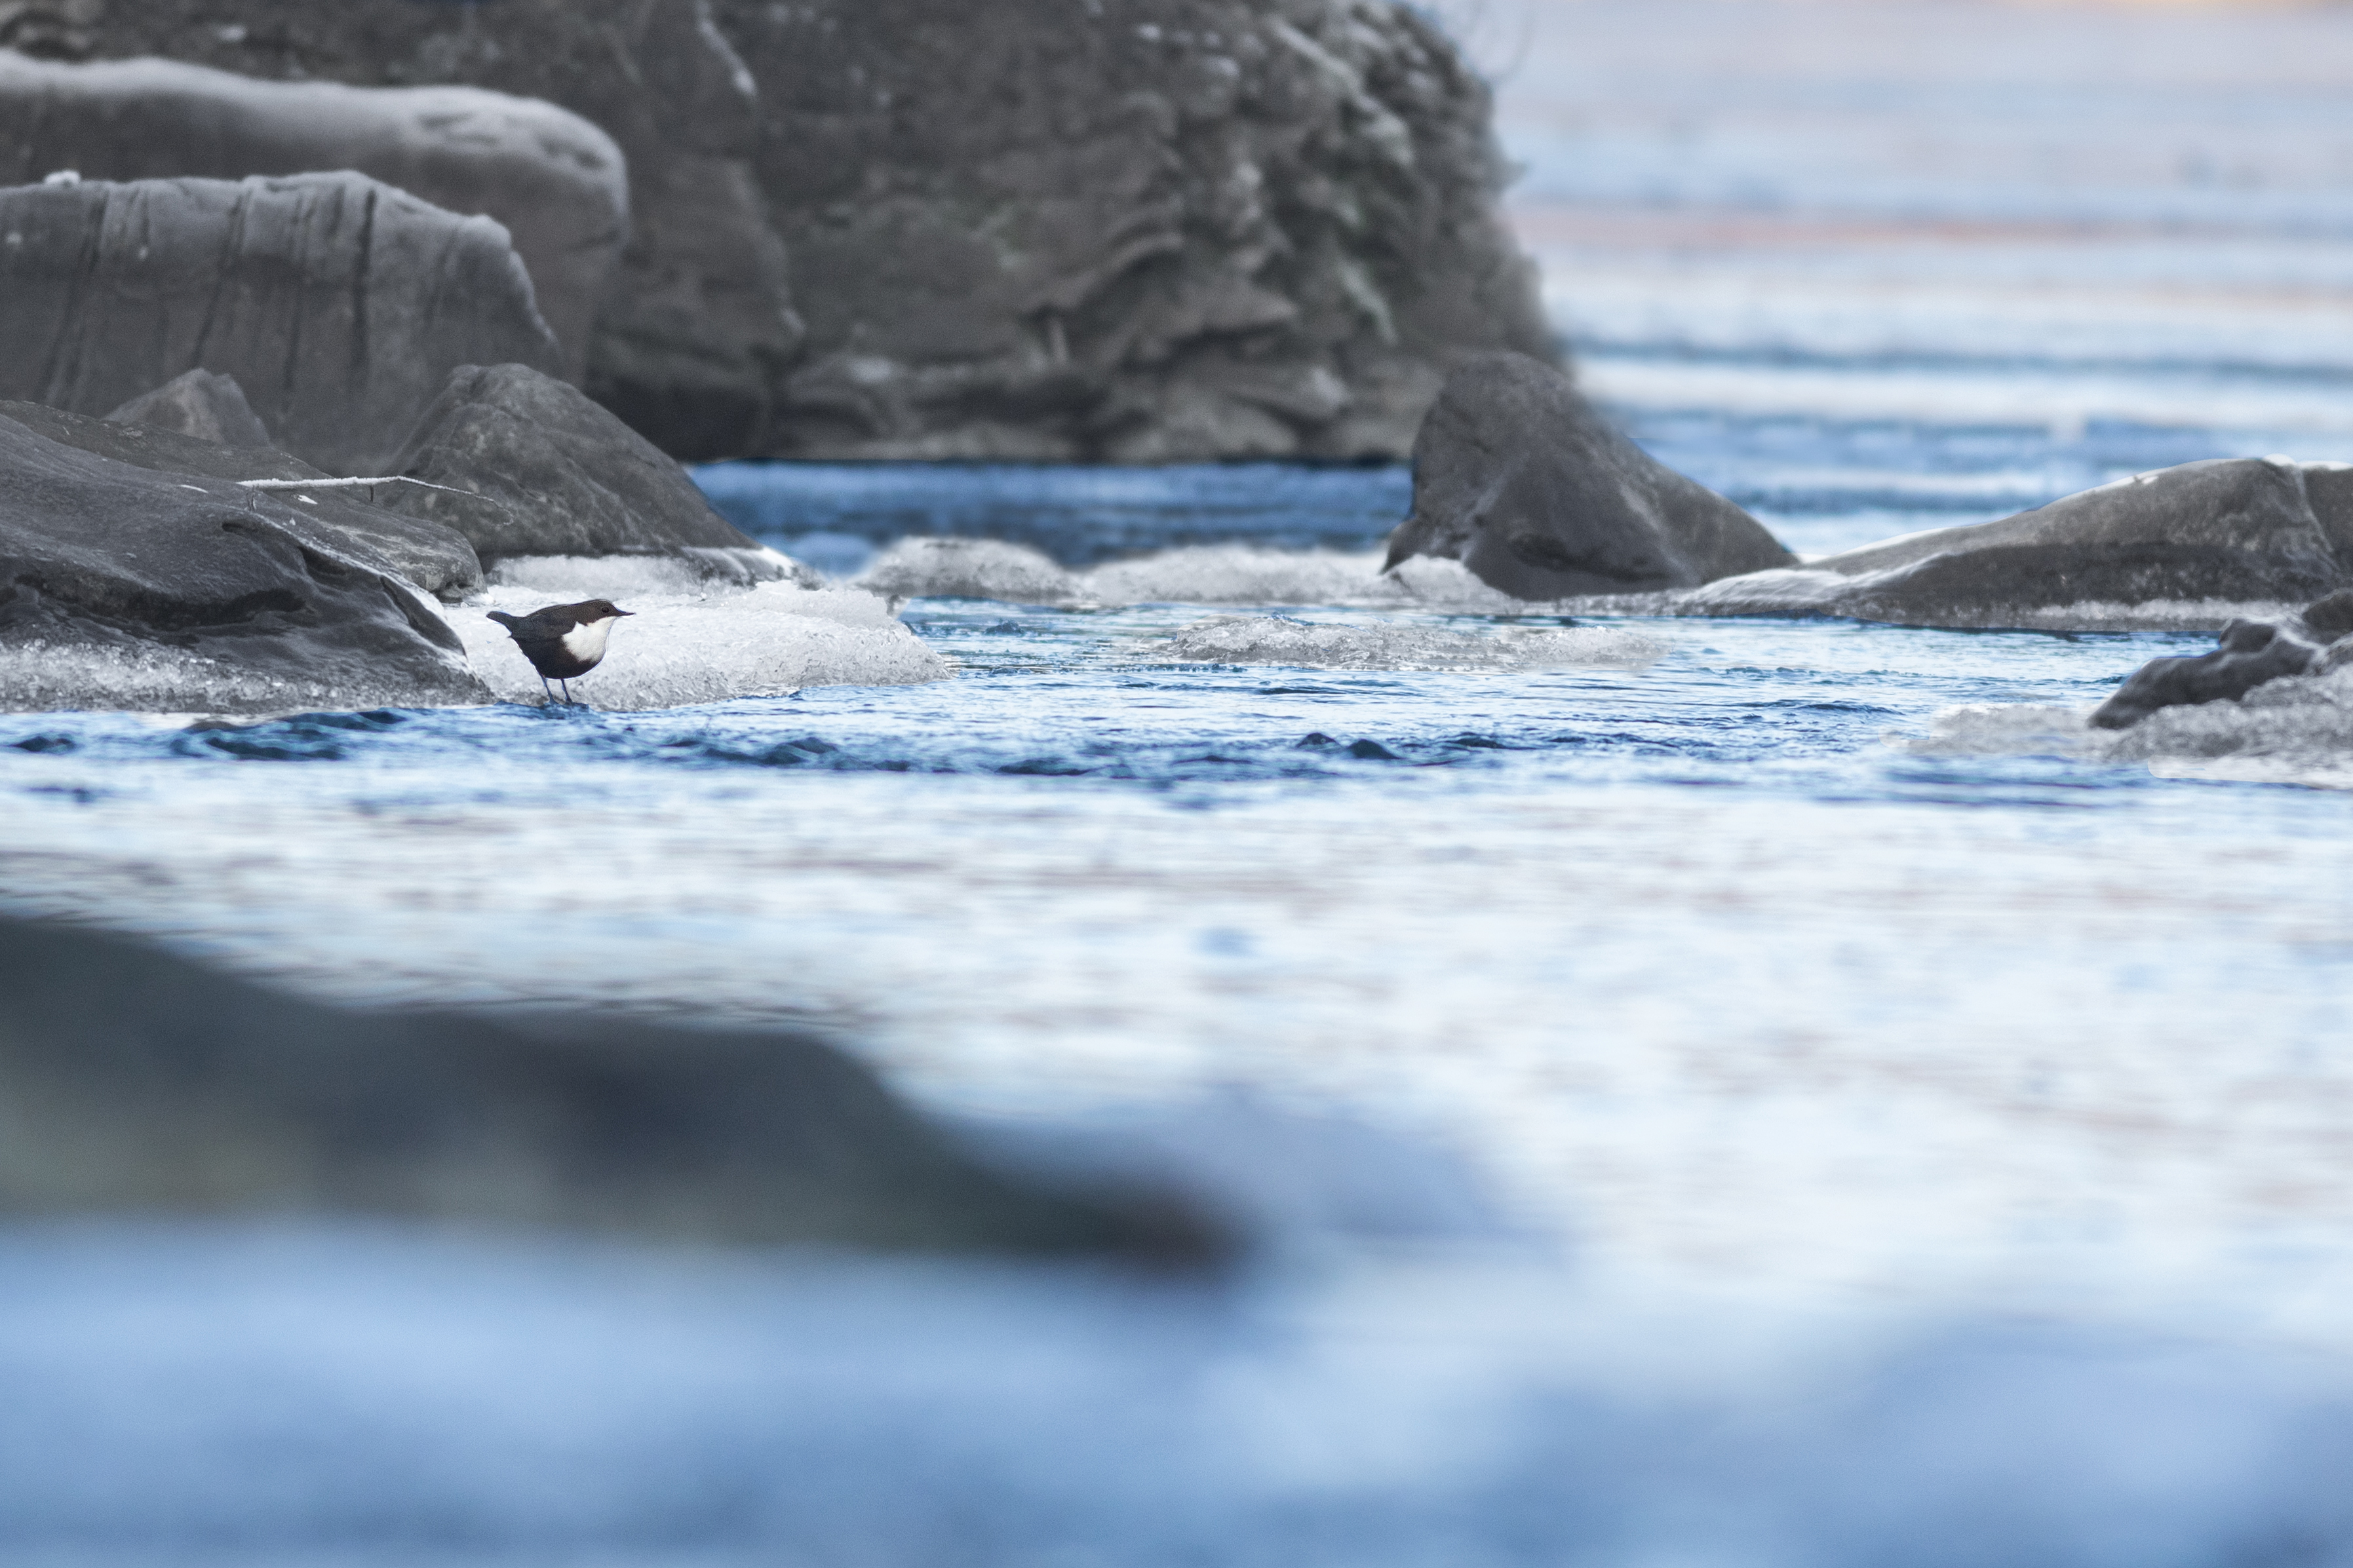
[1760,1097]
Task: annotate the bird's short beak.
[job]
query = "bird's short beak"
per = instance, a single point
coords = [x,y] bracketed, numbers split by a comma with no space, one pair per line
[624,612]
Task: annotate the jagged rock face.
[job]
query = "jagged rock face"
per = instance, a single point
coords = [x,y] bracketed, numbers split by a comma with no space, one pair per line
[132,1079]
[697,328]
[337,519]
[127,587]
[1522,480]
[524,465]
[553,179]
[340,304]
[2242,529]
[1133,230]
[1140,230]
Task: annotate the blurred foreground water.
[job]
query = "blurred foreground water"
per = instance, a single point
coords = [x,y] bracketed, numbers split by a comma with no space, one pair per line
[1709,1092]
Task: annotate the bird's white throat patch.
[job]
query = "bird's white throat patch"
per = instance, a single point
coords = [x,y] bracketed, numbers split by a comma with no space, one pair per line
[587,641]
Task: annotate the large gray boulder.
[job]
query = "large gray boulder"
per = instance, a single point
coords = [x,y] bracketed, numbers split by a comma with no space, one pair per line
[2231,530]
[696,331]
[1150,231]
[1160,231]
[340,304]
[1522,480]
[133,1080]
[523,465]
[432,555]
[127,587]
[556,181]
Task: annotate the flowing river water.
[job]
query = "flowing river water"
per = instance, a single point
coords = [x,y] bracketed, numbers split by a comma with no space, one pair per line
[1724,1091]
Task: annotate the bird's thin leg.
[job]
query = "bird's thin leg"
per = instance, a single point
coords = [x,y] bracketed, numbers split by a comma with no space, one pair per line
[544,686]
[567,691]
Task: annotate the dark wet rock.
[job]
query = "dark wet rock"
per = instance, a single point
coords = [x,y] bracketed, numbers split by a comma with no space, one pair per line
[1518,478]
[339,304]
[433,556]
[201,404]
[133,1080]
[127,587]
[529,466]
[2229,530]
[1152,231]
[554,181]
[2331,617]
[2252,653]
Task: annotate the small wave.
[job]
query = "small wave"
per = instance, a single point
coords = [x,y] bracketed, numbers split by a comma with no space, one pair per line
[1244,575]
[678,649]
[933,568]
[2295,731]
[1275,639]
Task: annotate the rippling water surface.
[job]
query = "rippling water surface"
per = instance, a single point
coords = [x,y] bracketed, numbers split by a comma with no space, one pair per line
[1708,1108]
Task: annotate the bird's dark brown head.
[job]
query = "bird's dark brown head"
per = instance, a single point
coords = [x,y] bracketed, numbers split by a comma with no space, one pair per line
[597,609]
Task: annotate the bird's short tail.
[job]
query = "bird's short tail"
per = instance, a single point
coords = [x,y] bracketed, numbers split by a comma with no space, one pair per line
[503,619]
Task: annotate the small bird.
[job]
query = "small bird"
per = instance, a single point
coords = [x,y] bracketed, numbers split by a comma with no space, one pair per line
[563,641]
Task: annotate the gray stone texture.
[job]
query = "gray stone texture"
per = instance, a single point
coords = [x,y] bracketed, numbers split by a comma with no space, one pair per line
[2250,654]
[201,404]
[211,597]
[1126,230]
[529,465]
[339,304]
[432,555]
[133,1080]
[1522,480]
[2242,529]
[556,181]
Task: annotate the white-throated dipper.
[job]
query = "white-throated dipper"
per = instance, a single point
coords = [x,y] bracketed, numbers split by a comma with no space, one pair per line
[563,641]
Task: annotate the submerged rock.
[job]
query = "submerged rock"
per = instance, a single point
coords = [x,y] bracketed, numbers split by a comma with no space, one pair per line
[126,587]
[1155,231]
[433,556]
[133,1080]
[1518,478]
[2252,653]
[2229,530]
[339,304]
[529,466]
[200,404]
[556,183]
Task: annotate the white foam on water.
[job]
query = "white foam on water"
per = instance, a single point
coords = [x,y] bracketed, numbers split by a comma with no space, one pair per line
[931,568]
[1275,640]
[2297,729]
[676,649]
[1243,575]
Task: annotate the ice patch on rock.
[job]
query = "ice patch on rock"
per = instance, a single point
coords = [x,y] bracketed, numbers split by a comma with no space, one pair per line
[2297,729]
[934,568]
[678,649]
[616,577]
[1275,640]
[42,676]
